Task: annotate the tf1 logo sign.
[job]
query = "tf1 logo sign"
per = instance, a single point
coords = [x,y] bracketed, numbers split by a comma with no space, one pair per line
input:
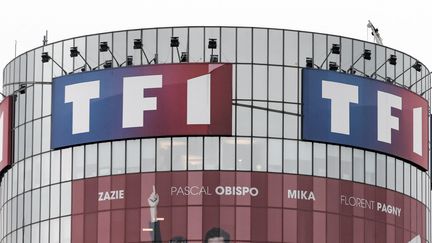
[142,101]
[5,132]
[362,112]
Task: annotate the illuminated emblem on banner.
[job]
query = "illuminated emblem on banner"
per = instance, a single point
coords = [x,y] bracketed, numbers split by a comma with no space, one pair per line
[362,112]
[142,101]
[5,129]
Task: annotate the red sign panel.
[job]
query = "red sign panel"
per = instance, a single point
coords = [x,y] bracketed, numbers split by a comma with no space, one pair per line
[5,132]
[240,206]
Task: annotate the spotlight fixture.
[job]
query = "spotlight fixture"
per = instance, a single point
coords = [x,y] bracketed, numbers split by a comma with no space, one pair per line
[212,44]
[129,60]
[184,57]
[333,66]
[22,88]
[309,62]
[366,55]
[46,57]
[392,60]
[334,50]
[138,45]
[214,58]
[107,64]
[103,47]
[175,43]
[74,53]
[417,66]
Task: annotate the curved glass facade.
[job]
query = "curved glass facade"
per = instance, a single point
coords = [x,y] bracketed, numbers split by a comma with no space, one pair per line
[46,195]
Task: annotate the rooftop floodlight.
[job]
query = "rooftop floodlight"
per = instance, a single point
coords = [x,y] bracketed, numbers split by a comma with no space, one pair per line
[174,41]
[74,53]
[46,57]
[212,45]
[417,66]
[22,88]
[333,66]
[103,47]
[184,57]
[107,64]
[334,50]
[138,45]
[392,60]
[129,60]
[366,55]
[175,44]
[309,62]
[214,58]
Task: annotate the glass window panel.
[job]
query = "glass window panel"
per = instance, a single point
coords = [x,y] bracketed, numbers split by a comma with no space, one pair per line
[259,154]
[211,33]
[35,233]
[46,94]
[179,153]
[118,157]
[119,47]
[55,166]
[346,54]
[21,141]
[305,45]
[381,170]
[28,177]
[77,61]
[244,154]
[44,232]
[290,156]
[29,103]
[54,231]
[149,44]
[37,110]
[78,162]
[259,45]
[391,166]
[359,165]
[275,46]
[195,153]
[37,139]
[55,201]
[36,171]
[163,154]
[46,134]
[133,155]
[333,161]
[291,48]
[93,51]
[27,208]
[196,44]
[244,45]
[35,205]
[104,56]
[182,34]
[290,126]
[259,82]
[244,122]
[66,164]
[65,235]
[45,169]
[370,64]
[136,54]
[104,154]
[47,67]
[91,160]
[275,155]
[30,65]
[244,82]
[211,153]
[305,158]
[319,159]
[413,182]
[228,45]
[66,199]
[148,149]
[319,50]
[291,84]
[275,124]
[275,83]
[357,52]
[334,57]
[370,168]
[227,154]
[45,202]
[399,176]
[407,179]
[380,59]
[259,122]
[346,163]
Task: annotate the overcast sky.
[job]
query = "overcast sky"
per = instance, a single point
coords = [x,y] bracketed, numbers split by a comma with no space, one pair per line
[403,25]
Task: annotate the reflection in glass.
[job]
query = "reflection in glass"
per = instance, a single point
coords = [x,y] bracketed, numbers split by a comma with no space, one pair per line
[227,153]
[163,154]
[319,159]
[259,154]
[290,156]
[118,157]
[179,154]
[346,163]
[381,170]
[148,149]
[275,155]
[104,154]
[358,165]
[333,161]
[370,168]
[133,155]
[91,160]
[305,158]
[78,162]
[211,153]
[244,154]
[195,153]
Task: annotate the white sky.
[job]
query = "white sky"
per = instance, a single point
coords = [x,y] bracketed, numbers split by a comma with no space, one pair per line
[403,25]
